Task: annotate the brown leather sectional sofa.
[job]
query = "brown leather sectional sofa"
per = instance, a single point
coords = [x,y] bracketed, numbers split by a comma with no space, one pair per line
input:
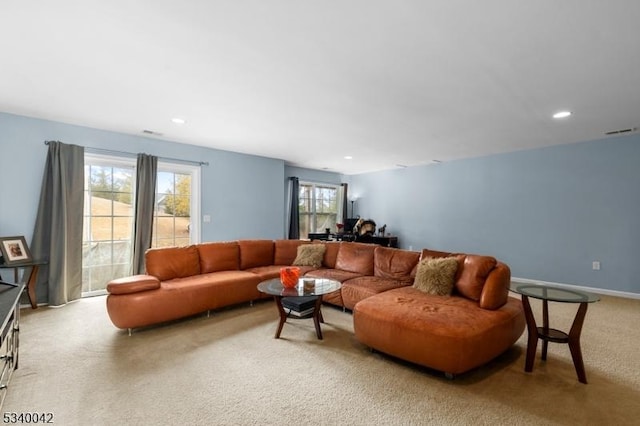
[452,334]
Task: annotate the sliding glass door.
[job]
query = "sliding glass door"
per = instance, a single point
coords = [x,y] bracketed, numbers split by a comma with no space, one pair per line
[108,221]
[109,215]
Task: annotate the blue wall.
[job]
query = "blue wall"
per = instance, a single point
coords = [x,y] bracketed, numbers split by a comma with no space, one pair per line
[548,213]
[242,193]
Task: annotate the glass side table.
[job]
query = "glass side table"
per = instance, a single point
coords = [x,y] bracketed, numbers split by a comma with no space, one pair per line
[31,281]
[547,334]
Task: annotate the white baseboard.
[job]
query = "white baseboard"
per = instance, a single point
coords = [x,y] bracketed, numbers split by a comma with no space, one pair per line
[604,291]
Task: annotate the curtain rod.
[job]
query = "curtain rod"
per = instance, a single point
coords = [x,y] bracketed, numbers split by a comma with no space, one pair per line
[112,151]
[321,182]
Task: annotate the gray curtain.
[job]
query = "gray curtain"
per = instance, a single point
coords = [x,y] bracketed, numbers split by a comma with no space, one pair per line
[57,235]
[146,172]
[294,210]
[345,203]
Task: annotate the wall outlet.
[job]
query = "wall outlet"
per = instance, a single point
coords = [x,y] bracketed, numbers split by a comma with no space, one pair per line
[410,248]
[206,218]
[595,265]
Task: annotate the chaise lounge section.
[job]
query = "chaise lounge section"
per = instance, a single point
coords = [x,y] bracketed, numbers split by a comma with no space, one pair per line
[453,334]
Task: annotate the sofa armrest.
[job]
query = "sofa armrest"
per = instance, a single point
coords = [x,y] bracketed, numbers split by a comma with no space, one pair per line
[133,284]
[495,292]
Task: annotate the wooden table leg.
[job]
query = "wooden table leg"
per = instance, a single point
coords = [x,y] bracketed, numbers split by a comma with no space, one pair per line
[31,286]
[532,329]
[545,328]
[574,342]
[283,315]
[317,317]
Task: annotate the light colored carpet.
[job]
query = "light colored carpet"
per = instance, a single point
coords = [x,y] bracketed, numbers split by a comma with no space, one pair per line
[229,370]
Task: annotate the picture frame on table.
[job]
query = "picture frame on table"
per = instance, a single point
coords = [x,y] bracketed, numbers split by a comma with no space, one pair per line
[15,250]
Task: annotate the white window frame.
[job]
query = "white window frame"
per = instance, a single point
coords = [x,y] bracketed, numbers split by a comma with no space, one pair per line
[195,209]
[339,195]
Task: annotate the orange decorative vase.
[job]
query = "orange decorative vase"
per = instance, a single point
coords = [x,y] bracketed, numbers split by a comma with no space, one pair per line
[289,276]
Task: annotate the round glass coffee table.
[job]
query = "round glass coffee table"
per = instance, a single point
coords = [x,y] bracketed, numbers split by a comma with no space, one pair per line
[306,287]
[547,334]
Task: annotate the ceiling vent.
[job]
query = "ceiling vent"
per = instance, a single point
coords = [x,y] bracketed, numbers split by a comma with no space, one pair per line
[622,131]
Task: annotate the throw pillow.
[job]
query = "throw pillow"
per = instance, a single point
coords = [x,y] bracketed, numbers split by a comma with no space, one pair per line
[436,275]
[310,255]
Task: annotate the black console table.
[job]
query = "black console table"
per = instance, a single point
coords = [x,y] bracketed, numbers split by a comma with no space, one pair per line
[9,332]
[386,241]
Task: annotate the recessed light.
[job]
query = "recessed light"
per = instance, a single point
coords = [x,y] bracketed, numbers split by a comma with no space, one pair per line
[179,120]
[348,157]
[562,114]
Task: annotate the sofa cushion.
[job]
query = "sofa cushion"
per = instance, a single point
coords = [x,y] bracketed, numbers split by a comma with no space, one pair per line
[471,278]
[332,274]
[210,291]
[254,253]
[393,263]
[334,298]
[172,262]
[219,256]
[436,276]
[356,257]
[286,251]
[330,254]
[273,271]
[428,253]
[357,289]
[310,255]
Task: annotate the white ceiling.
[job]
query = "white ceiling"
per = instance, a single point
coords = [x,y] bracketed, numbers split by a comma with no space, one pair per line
[387,82]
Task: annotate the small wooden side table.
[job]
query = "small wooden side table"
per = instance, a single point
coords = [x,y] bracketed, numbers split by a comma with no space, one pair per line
[318,287]
[30,283]
[547,334]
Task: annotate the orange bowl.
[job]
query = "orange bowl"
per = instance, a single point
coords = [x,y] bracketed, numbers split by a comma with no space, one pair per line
[289,276]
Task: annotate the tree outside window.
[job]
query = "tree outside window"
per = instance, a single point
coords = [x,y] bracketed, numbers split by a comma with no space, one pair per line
[172,217]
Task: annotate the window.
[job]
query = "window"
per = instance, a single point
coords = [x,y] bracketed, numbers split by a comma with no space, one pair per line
[320,207]
[109,215]
[177,206]
[108,221]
